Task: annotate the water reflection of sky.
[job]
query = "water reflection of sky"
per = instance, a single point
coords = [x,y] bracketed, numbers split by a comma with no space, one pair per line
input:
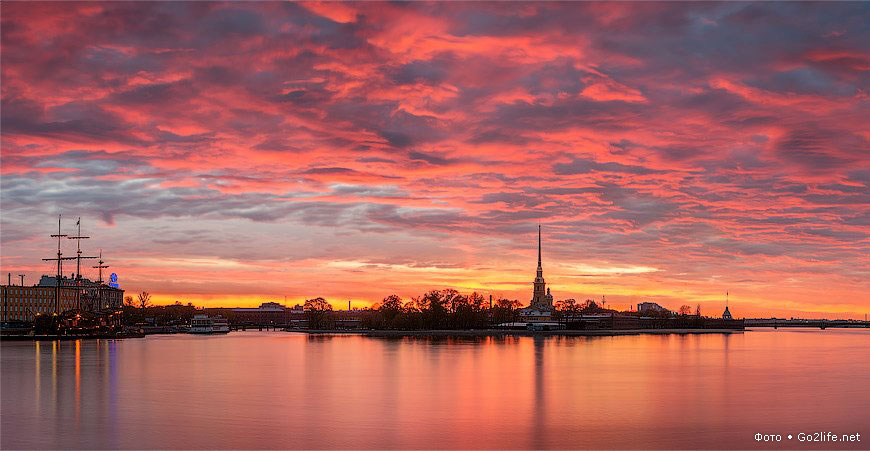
[257,389]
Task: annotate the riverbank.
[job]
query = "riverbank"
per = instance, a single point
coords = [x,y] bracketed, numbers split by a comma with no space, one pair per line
[423,333]
[504,332]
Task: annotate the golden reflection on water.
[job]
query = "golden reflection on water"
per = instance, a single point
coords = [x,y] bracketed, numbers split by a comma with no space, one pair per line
[37,392]
[78,347]
[54,351]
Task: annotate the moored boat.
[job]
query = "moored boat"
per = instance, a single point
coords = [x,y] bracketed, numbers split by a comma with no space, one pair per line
[203,324]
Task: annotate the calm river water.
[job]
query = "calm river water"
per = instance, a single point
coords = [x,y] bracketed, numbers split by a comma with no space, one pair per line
[286,390]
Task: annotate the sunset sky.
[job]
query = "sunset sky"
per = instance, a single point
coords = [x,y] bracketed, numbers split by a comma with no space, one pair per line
[234,153]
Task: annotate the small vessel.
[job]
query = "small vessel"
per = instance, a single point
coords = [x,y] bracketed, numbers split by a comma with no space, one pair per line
[203,324]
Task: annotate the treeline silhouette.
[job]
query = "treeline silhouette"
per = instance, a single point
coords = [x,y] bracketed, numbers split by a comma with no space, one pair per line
[440,309]
[434,310]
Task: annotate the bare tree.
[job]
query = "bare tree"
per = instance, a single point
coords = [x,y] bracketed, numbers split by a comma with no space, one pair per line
[128,301]
[318,304]
[144,300]
[317,311]
[390,308]
[391,302]
[698,311]
[589,306]
[567,308]
[685,310]
[505,310]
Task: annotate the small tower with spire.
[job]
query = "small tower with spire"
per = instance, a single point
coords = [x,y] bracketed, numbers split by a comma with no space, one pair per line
[726,314]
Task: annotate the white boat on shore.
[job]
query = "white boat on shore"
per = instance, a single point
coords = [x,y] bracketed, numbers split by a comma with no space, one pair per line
[203,324]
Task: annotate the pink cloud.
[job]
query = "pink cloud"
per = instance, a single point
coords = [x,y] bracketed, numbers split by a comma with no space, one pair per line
[369,146]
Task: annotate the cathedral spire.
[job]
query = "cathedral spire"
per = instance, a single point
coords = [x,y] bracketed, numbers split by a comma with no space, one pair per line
[539,276]
[541,297]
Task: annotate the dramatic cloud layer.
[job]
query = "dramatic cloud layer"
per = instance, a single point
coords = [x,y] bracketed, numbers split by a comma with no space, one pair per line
[237,153]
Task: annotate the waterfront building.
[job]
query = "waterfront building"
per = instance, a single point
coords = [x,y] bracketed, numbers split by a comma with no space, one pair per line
[541,306]
[22,303]
[266,313]
[651,307]
[263,308]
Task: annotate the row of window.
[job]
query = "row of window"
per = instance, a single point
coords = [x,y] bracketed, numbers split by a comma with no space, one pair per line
[30,291]
[50,291]
[34,300]
[25,308]
[39,293]
[19,301]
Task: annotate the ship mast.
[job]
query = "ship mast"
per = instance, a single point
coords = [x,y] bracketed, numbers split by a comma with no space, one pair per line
[78,279]
[101,266]
[60,258]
